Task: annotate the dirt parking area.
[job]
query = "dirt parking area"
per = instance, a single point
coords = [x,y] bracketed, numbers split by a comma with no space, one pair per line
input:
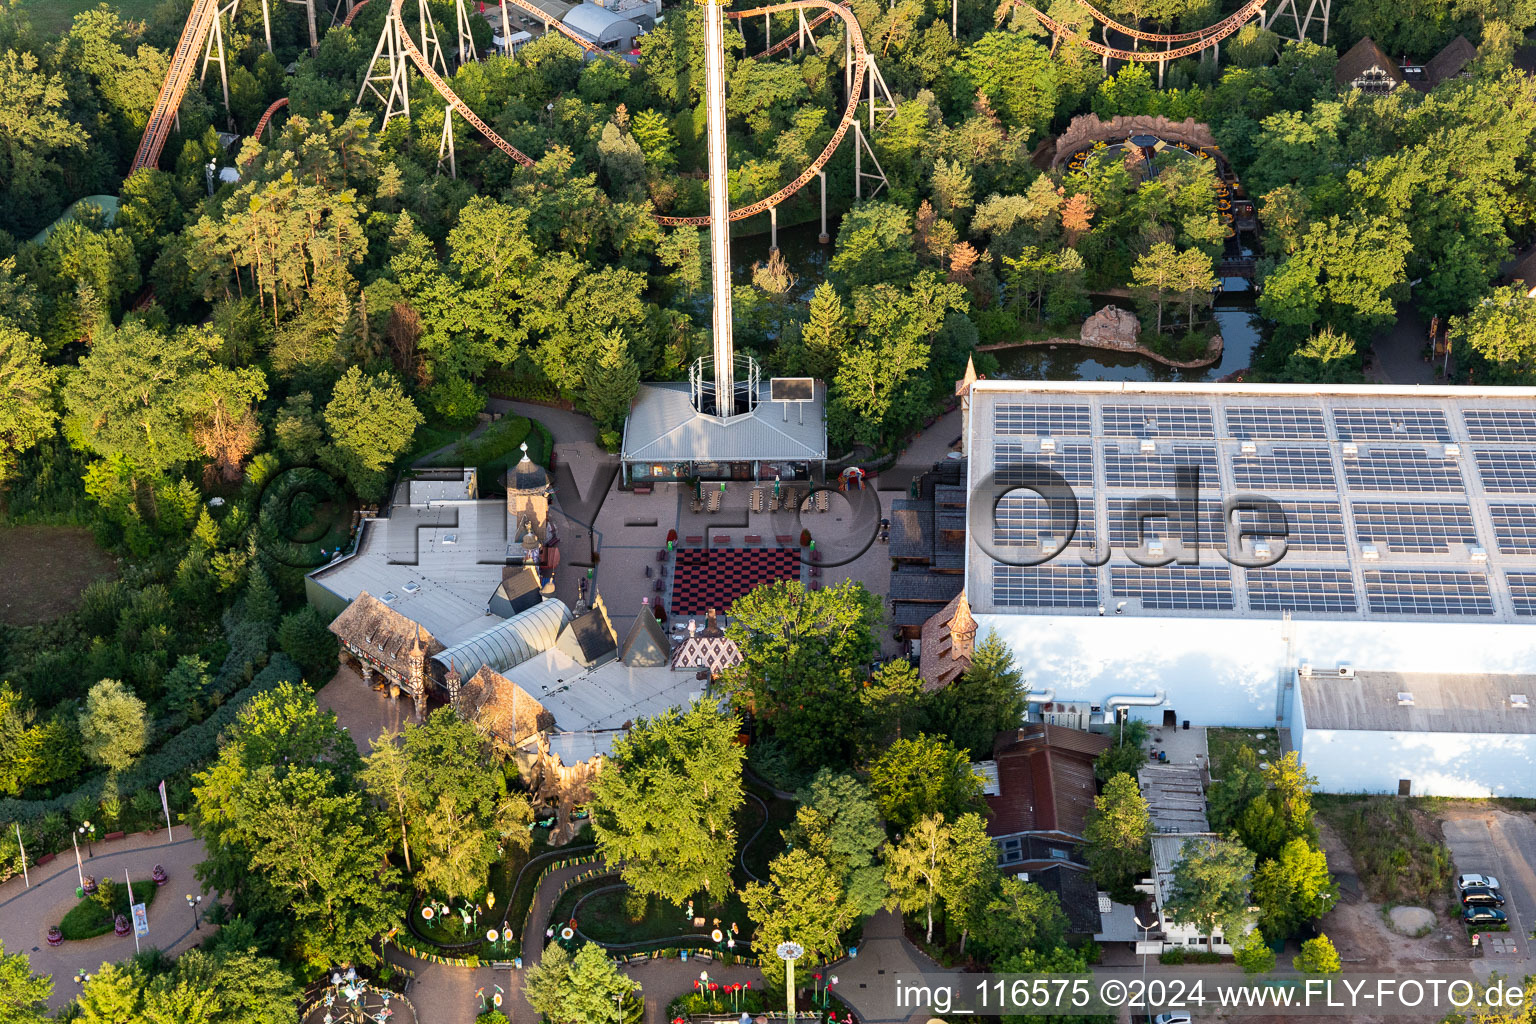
[45,568]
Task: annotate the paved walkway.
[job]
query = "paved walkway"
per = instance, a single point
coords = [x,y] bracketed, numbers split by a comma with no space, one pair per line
[26,913]
[1397,354]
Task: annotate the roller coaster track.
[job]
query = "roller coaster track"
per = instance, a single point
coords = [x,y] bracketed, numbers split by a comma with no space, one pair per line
[1205,39]
[1149,37]
[347,21]
[261,125]
[183,60]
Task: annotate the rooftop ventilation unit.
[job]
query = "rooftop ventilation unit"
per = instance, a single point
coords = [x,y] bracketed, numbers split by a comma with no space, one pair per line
[1155,547]
[1148,445]
[1249,448]
[1261,549]
[1306,670]
[1453,451]
[1049,544]
[1519,700]
[1346,670]
[389,597]
[411,587]
[1370,552]
[1047,444]
[1404,699]
[450,538]
[1350,450]
[1477,553]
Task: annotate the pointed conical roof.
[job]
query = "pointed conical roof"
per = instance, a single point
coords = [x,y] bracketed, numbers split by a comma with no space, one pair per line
[962,628]
[647,645]
[971,377]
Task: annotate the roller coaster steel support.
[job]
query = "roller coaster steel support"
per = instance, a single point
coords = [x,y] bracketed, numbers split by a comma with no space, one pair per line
[823,238]
[431,47]
[397,97]
[466,37]
[861,146]
[215,44]
[883,104]
[1302,23]
[266,22]
[445,145]
[506,31]
[309,13]
[719,207]
[767,31]
[773,229]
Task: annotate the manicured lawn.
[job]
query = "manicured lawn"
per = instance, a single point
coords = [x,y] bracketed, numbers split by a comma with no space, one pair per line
[58,562]
[606,916]
[492,451]
[88,918]
[770,842]
[53,17]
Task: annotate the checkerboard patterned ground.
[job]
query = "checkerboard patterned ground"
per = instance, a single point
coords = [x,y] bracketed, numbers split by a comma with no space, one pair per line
[705,579]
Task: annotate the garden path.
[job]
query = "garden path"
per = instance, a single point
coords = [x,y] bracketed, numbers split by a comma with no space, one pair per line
[26,912]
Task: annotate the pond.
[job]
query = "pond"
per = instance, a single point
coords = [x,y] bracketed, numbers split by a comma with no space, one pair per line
[1233,311]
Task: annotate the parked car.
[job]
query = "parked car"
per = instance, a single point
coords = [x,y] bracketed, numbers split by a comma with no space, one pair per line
[1465,882]
[1176,1017]
[1483,915]
[1481,896]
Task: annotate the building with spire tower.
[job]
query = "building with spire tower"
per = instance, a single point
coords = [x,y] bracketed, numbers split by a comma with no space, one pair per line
[725,422]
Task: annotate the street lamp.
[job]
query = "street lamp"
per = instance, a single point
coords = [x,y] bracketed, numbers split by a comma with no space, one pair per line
[89,832]
[789,952]
[1145,931]
[192,904]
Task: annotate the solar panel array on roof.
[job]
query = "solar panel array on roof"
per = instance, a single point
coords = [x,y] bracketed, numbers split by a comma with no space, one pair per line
[1428,592]
[1073,462]
[1377,516]
[1522,591]
[1174,587]
[1285,469]
[1123,531]
[1507,470]
[1045,586]
[1418,526]
[1158,421]
[1024,520]
[1514,528]
[1157,469]
[1500,424]
[1307,525]
[1401,470]
[1301,590]
[1263,423]
[1390,424]
[1041,420]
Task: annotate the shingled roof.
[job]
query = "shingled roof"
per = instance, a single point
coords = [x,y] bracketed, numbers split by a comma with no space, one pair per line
[382,634]
[1045,780]
[1363,58]
[1449,62]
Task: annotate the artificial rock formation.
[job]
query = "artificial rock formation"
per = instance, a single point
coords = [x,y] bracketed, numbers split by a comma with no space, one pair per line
[1112,327]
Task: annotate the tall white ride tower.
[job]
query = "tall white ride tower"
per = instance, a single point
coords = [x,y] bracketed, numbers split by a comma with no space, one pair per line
[719,205]
[726,423]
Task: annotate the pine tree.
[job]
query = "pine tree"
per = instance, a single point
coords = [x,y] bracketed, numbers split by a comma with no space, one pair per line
[612,383]
[826,333]
[206,532]
[260,598]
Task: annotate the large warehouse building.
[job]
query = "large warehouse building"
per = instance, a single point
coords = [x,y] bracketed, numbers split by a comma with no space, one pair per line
[1401,539]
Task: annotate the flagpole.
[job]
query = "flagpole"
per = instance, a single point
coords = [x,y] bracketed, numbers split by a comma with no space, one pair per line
[165,804]
[129,884]
[25,877]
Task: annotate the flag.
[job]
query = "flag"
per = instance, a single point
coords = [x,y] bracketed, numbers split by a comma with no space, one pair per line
[165,805]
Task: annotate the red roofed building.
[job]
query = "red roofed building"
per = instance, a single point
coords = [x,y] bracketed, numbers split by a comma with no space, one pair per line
[1040,788]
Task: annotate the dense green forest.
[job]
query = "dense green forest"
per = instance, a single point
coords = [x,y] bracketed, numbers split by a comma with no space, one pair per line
[207,375]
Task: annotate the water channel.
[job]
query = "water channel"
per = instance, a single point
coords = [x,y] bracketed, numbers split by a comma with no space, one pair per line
[1233,311]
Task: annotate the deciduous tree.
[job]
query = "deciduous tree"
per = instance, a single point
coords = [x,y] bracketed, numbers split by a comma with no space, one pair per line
[27,411]
[1211,880]
[664,803]
[113,725]
[370,420]
[922,777]
[1116,833]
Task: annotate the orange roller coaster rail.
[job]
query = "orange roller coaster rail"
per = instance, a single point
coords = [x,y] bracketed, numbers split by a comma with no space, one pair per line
[1204,39]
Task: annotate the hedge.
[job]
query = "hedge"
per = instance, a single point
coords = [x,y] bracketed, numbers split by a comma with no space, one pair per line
[179,753]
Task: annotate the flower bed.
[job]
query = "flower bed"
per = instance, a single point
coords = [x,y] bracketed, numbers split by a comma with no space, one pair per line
[90,917]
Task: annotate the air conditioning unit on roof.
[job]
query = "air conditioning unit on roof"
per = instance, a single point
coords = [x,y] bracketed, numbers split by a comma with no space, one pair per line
[1346,670]
[1452,451]
[1249,448]
[1148,445]
[1350,450]
[1370,552]
[1047,444]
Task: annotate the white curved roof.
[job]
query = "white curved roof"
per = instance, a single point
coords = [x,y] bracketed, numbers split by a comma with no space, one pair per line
[596,23]
[510,642]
